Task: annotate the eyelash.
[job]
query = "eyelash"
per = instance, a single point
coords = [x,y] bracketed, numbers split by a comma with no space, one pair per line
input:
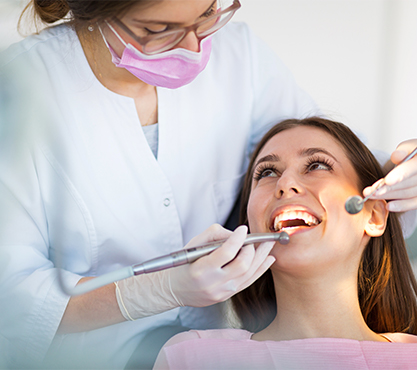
[319,160]
[210,12]
[262,168]
[149,32]
[258,174]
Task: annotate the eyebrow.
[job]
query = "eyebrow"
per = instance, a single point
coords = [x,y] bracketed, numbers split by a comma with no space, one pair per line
[267,158]
[302,153]
[171,23]
[311,151]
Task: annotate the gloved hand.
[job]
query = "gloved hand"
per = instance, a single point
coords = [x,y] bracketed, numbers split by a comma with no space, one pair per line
[401,182]
[209,280]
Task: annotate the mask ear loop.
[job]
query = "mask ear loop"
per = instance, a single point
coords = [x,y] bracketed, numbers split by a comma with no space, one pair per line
[115,33]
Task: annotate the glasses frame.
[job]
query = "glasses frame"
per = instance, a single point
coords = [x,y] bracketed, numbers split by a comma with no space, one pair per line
[186,30]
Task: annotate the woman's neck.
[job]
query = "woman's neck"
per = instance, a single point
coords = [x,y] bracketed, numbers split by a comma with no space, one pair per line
[317,308]
[118,80]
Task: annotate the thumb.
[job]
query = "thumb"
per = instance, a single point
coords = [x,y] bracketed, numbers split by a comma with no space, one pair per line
[403,149]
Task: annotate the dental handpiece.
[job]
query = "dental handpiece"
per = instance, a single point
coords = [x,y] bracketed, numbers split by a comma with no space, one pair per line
[174,259]
[354,204]
[190,255]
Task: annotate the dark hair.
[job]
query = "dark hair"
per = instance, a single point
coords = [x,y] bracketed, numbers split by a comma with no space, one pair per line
[79,13]
[387,286]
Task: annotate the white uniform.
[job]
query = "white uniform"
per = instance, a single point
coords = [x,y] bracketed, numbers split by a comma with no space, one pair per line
[77,177]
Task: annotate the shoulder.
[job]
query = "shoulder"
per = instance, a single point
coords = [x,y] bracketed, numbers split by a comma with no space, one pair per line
[188,349]
[232,334]
[401,337]
[237,52]
[238,37]
[234,30]
[40,44]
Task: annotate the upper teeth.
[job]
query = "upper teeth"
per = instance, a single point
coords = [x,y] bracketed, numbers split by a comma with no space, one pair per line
[309,219]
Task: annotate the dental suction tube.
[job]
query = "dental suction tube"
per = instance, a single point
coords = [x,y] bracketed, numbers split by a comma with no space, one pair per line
[178,258]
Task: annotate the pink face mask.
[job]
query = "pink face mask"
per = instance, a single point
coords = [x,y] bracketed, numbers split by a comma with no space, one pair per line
[172,69]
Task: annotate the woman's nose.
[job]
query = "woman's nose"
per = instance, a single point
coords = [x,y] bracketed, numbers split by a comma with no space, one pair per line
[288,185]
[190,42]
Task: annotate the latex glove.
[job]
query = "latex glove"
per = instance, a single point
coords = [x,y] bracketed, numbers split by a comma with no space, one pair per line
[223,273]
[209,280]
[400,187]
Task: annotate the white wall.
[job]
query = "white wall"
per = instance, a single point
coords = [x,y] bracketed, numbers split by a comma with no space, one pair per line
[9,15]
[357,58]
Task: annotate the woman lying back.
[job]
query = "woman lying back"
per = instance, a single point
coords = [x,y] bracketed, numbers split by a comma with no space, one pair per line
[342,293]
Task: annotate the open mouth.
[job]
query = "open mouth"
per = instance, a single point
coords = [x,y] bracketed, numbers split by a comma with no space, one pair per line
[293,219]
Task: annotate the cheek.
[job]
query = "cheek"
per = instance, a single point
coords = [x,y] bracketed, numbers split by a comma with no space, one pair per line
[340,223]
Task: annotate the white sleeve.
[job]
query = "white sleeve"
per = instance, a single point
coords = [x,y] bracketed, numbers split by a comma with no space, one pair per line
[31,301]
[276,94]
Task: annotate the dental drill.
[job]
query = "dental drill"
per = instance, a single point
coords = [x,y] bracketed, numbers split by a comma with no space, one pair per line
[355,203]
[174,259]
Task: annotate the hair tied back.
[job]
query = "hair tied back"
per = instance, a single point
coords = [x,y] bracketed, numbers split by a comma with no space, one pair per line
[51,11]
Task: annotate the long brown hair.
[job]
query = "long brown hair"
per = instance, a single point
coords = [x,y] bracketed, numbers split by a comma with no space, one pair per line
[387,286]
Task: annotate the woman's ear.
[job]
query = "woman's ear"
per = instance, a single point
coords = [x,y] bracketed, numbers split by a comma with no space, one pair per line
[378,218]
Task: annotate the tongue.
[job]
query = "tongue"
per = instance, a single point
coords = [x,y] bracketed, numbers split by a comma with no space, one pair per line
[292,223]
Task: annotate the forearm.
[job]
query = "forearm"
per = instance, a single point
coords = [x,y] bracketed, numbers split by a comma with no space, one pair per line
[93,310]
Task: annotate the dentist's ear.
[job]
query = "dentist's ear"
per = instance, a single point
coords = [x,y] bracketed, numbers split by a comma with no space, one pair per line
[378,215]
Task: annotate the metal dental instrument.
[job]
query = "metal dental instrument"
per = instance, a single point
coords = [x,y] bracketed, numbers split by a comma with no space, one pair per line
[354,204]
[174,259]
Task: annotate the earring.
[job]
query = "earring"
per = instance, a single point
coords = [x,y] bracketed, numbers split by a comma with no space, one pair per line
[90,28]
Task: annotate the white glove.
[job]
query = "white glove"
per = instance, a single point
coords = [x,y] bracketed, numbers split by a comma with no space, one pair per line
[209,280]
[401,183]
[400,189]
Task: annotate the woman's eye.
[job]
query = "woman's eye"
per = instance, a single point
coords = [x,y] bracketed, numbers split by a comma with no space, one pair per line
[155,30]
[209,13]
[267,173]
[318,166]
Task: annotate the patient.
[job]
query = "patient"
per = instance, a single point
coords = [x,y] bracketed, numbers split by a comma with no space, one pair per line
[342,293]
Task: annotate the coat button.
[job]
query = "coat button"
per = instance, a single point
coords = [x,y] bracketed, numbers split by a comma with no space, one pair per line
[167,202]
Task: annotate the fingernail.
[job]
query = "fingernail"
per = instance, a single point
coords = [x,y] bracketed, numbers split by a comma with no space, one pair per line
[392,179]
[366,191]
[271,260]
[242,227]
[401,153]
[392,207]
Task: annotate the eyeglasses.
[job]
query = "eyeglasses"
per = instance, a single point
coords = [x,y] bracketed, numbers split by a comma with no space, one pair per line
[165,40]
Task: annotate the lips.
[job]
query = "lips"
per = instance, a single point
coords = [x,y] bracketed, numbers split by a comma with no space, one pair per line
[293,218]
